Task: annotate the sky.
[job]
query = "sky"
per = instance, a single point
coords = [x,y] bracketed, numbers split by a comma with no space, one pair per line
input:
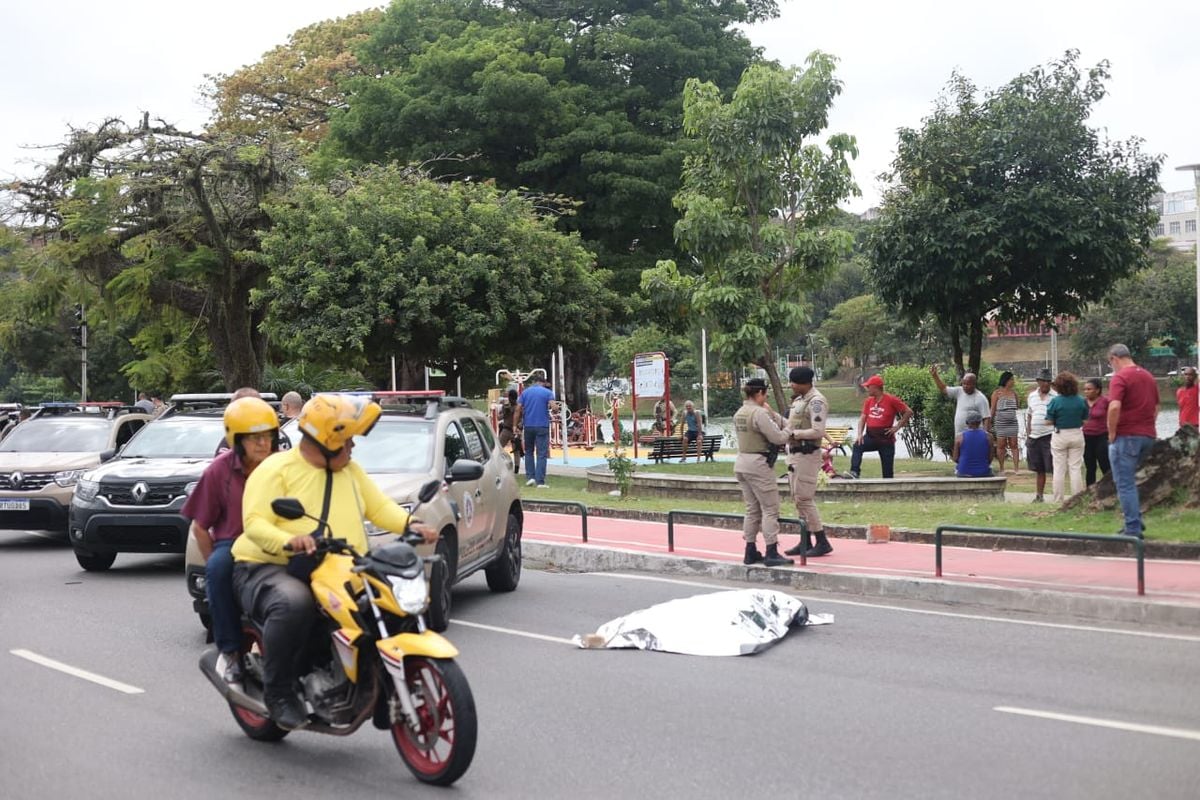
[77,62]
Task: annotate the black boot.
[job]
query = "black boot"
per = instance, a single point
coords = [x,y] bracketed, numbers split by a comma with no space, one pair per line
[804,545]
[752,555]
[823,547]
[773,559]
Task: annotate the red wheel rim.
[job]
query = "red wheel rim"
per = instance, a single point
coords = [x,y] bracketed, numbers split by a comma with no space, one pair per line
[429,750]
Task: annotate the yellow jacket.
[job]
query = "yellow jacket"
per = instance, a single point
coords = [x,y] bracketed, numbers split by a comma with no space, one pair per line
[287,474]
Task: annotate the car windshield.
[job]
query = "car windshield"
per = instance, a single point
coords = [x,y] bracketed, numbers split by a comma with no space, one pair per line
[50,435]
[177,437]
[396,446]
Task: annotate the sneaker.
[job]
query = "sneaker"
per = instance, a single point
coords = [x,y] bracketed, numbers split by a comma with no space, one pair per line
[542,486]
[1037,498]
[229,667]
[287,712]
[531,482]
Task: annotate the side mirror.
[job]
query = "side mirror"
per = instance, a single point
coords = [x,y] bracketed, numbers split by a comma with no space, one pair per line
[464,469]
[429,491]
[287,507]
[105,455]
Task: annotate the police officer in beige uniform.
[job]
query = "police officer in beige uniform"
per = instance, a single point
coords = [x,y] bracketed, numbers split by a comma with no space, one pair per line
[806,428]
[759,431]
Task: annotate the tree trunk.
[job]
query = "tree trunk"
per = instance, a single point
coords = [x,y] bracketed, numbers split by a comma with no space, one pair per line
[237,344]
[956,344]
[580,366]
[976,345]
[772,369]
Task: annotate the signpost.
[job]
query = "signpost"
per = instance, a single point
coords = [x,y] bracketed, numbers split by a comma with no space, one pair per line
[650,378]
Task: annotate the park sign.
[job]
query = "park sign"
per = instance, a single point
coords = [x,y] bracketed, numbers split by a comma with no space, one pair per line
[651,379]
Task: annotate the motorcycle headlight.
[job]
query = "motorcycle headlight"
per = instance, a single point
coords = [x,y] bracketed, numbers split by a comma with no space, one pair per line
[85,490]
[68,477]
[412,594]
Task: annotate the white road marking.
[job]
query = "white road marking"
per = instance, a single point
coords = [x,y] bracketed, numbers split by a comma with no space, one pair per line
[76,672]
[1179,637]
[1157,730]
[512,632]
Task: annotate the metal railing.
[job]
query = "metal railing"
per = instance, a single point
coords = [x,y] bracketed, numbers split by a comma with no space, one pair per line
[583,511]
[721,515]
[1138,544]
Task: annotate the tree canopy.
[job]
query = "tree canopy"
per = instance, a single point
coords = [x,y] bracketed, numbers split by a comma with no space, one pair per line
[387,261]
[758,193]
[566,98]
[1009,206]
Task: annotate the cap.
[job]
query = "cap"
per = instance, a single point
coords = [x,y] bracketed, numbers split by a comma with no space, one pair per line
[874,380]
[1045,375]
[755,383]
[974,417]
[801,375]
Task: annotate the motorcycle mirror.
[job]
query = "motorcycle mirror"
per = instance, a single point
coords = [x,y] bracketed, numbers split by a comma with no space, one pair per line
[429,491]
[287,507]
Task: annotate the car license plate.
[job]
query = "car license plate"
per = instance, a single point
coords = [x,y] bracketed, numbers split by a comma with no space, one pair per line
[14,505]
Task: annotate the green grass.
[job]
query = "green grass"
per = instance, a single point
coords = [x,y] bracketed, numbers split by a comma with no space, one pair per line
[1163,524]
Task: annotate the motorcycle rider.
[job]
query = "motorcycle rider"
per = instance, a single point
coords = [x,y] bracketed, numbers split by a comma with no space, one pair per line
[215,508]
[322,476]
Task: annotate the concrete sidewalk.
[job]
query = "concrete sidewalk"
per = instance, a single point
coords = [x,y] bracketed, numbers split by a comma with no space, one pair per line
[1093,587]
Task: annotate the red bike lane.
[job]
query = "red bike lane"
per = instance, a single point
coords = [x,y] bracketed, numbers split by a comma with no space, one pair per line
[1166,581]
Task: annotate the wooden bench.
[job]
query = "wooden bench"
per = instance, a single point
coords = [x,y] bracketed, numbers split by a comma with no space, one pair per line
[666,448]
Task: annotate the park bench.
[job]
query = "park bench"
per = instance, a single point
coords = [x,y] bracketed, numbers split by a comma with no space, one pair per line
[838,434]
[665,448]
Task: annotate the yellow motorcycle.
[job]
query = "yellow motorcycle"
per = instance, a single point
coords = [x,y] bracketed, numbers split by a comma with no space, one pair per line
[379,660]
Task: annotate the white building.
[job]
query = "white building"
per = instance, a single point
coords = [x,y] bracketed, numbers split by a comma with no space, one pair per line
[1176,218]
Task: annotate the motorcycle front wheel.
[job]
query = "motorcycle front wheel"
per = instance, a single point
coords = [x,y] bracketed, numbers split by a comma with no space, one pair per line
[441,748]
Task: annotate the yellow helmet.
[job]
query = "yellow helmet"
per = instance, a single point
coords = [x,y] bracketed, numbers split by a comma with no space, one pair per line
[248,415]
[331,420]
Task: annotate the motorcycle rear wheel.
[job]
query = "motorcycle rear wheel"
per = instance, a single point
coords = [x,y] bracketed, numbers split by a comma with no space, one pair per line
[442,750]
[257,727]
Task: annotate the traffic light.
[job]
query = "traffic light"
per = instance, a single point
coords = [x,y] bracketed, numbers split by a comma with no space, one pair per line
[79,313]
[77,334]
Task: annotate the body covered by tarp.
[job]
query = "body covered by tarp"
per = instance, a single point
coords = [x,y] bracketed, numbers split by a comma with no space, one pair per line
[733,623]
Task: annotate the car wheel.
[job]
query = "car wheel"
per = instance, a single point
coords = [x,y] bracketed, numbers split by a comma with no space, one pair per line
[504,573]
[95,562]
[441,579]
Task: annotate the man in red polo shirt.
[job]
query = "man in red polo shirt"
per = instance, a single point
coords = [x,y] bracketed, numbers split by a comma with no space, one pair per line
[1188,397]
[215,509]
[877,426]
[1132,409]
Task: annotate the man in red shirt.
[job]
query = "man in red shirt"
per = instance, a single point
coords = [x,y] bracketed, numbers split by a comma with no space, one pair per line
[877,426]
[1132,409]
[1188,398]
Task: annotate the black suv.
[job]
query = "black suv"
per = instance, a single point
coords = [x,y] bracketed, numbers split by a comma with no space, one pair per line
[131,504]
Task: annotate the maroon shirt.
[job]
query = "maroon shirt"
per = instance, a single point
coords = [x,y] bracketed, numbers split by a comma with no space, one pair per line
[1096,423]
[1137,392]
[216,502]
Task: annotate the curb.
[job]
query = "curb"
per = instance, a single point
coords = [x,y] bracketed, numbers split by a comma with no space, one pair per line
[1182,551]
[585,558]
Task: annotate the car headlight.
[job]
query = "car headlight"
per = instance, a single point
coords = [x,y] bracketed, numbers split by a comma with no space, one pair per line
[85,490]
[412,594]
[191,487]
[68,477]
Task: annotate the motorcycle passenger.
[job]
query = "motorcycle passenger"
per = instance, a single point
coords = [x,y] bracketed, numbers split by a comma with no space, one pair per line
[281,604]
[215,509]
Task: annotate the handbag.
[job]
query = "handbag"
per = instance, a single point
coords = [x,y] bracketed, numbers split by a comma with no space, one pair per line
[302,565]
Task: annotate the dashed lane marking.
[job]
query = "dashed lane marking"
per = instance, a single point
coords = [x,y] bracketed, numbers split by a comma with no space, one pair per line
[1096,722]
[512,632]
[77,672]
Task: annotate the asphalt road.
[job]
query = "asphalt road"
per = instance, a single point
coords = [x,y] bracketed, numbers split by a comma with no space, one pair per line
[885,703]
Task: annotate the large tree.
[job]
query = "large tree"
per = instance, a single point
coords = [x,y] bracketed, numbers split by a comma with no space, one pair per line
[853,327]
[1009,206]
[1158,304]
[758,194]
[581,99]
[157,218]
[457,275]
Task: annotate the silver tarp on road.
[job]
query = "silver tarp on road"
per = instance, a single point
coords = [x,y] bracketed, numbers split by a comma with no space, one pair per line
[733,623]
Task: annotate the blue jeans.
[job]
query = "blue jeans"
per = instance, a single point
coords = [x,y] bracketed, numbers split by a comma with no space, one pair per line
[1125,455]
[222,604]
[537,439]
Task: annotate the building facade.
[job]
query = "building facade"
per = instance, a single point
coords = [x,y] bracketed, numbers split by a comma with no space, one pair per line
[1176,218]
